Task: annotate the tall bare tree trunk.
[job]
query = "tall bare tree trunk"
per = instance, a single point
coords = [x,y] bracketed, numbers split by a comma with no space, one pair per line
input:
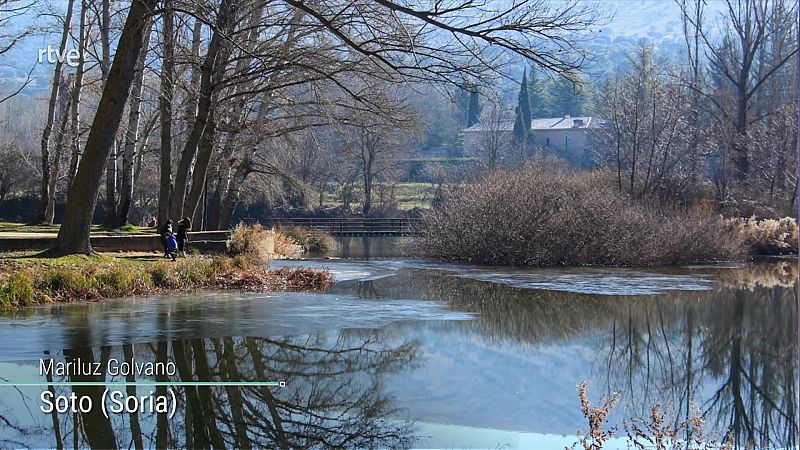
[75,125]
[194,81]
[199,173]
[65,101]
[110,218]
[215,202]
[46,197]
[132,135]
[73,237]
[165,108]
[232,196]
[203,108]
[691,34]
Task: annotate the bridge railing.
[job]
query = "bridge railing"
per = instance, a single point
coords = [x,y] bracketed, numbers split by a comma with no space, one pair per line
[351,225]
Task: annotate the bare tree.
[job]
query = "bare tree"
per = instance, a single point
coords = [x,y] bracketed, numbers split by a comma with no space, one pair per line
[212,65]
[165,107]
[691,34]
[77,88]
[646,108]
[46,198]
[748,28]
[132,134]
[494,137]
[73,236]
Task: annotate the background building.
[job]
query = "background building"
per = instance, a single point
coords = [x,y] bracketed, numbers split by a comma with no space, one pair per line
[569,138]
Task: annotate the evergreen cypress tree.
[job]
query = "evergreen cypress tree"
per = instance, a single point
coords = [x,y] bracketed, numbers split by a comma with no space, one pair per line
[522,123]
[474,110]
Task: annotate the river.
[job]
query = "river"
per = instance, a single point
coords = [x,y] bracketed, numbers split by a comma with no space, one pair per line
[409,353]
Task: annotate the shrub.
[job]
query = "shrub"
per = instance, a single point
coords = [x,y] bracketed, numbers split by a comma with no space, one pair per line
[657,431]
[194,271]
[285,244]
[769,236]
[310,240]
[541,217]
[219,264]
[252,242]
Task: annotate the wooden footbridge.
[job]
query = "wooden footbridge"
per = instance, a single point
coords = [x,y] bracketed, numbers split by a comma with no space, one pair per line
[352,226]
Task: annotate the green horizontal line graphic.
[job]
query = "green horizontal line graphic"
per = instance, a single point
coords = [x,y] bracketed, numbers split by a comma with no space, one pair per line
[143,383]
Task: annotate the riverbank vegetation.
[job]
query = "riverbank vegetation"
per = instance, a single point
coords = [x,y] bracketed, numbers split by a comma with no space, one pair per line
[541,216]
[30,280]
[768,236]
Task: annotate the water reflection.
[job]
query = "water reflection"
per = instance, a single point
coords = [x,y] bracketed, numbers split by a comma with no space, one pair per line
[364,247]
[730,352]
[407,342]
[332,397]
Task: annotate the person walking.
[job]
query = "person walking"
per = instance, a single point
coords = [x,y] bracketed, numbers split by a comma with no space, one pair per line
[166,231]
[184,227]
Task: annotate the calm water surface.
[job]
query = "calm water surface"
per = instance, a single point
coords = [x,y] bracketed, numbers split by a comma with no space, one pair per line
[405,353]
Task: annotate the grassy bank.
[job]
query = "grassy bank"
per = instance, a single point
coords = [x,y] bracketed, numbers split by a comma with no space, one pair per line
[30,280]
[538,217]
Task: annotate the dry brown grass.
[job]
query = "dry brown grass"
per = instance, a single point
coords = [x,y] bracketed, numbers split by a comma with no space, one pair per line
[768,236]
[310,240]
[253,242]
[542,217]
[285,245]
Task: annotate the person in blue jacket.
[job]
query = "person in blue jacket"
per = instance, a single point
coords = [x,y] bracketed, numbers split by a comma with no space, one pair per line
[172,246]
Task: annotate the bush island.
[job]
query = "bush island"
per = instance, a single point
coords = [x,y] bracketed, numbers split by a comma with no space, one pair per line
[542,217]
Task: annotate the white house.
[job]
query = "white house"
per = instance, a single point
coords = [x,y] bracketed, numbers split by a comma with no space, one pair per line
[566,137]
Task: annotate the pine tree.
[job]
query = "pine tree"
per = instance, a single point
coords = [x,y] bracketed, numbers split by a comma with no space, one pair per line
[522,123]
[569,97]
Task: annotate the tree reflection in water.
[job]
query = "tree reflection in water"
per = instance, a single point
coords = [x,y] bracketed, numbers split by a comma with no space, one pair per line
[729,353]
[332,396]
